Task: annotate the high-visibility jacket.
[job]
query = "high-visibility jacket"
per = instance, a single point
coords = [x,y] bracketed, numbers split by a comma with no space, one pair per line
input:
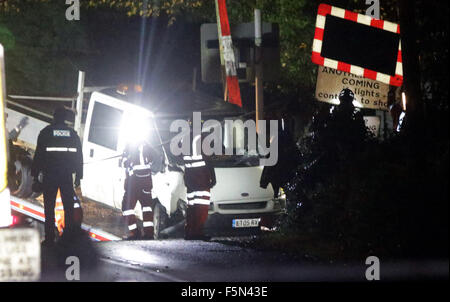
[58,151]
[137,159]
[199,173]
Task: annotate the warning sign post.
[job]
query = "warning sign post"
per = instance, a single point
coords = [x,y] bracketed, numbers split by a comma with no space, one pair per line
[358,44]
[369,93]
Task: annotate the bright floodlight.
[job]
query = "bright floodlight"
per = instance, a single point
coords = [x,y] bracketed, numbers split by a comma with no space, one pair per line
[137,125]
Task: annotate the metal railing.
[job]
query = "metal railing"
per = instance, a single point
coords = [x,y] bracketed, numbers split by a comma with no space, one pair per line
[76,101]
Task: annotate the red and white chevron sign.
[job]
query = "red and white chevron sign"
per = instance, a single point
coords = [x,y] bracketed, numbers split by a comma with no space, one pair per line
[234,94]
[317,58]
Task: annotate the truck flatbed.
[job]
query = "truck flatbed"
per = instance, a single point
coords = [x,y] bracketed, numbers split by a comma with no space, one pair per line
[101,222]
[103,217]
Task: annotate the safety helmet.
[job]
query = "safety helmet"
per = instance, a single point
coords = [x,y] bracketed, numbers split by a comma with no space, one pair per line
[346,94]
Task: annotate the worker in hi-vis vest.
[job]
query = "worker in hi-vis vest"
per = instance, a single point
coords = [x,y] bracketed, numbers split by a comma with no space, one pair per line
[137,161]
[199,178]
[58,155]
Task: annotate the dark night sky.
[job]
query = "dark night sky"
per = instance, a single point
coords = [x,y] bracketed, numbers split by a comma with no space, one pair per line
[169,52]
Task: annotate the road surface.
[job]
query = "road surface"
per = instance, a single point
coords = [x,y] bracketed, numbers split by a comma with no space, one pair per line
[177,260]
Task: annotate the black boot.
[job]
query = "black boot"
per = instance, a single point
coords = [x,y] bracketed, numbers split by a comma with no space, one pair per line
[135,235]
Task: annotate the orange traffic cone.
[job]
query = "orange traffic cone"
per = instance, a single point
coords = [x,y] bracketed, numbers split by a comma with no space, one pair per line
[59,213]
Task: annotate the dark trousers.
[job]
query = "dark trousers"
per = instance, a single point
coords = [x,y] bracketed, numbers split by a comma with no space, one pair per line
[197,211]
[53,182]
[138,189]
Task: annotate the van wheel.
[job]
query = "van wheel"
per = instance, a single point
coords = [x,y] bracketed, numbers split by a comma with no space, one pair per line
[160,221]
[20,180]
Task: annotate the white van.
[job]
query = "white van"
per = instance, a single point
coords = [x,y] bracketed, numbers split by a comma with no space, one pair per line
[237,200]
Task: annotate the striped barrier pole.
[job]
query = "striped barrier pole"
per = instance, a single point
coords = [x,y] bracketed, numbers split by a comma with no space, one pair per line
[232,84]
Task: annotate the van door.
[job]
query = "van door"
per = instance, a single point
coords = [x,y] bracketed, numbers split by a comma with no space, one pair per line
[103,176]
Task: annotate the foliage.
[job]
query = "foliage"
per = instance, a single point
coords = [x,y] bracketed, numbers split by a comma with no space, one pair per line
[296,19]
[6,37]
[41,48]
[432,42]
[353,196]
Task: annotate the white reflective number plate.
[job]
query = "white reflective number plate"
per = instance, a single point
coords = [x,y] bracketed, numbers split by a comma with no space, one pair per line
[246,223]
[20,255]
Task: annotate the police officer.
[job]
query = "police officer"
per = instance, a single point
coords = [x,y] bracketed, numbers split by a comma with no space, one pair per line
[58,155]
[279,174]
[346,98]
[199,178]
[137,161]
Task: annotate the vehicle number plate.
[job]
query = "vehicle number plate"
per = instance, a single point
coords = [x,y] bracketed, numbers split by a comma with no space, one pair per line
[246,223]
